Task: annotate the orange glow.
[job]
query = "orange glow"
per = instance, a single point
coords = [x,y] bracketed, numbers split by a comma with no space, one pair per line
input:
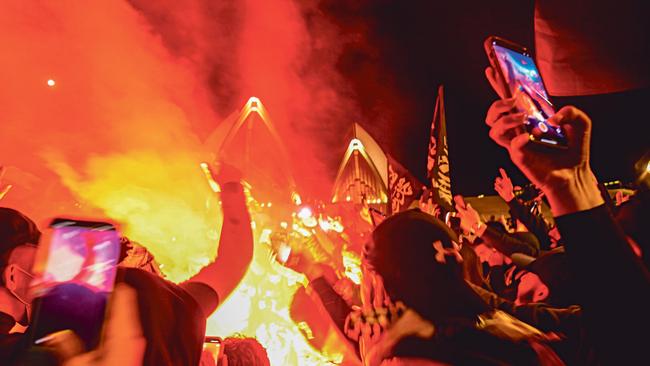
[305,213]
[213,184]
[117,134]
[260,305]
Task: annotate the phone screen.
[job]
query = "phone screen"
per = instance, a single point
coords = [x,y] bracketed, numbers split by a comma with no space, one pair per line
[523,78]
[212,351]
[75,274]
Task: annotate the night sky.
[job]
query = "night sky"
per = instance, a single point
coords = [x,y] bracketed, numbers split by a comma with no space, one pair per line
[405,49]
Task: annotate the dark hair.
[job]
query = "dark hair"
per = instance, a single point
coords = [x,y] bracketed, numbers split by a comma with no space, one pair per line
[498,226]
[472,267]
[245,351]
[402,253]
[16,229]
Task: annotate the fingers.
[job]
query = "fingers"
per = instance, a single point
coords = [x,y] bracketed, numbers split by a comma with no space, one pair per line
[576,125]
[506,128]
[65,344]
[619,198]
[124,319]
[517,145]
[498,109]
[503,173]
[492,77]
[460,202]
[570,115]
[125,343]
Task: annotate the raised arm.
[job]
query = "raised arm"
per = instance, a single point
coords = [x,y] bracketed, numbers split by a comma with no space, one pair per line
[470,222]
[612,285]
[534,223]
[236,241]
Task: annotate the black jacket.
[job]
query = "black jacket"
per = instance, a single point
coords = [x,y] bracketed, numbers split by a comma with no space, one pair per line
[612,285]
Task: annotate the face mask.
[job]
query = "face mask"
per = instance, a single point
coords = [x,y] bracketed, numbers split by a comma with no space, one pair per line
[27,304]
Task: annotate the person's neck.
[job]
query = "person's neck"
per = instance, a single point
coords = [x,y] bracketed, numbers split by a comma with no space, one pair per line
[10,305]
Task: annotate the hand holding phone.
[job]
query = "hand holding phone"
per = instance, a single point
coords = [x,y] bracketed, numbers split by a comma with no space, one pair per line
[517,80]
[74,275]
[123,345]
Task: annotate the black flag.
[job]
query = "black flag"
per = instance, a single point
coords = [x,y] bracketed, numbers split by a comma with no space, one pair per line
[403,187]
[438,158]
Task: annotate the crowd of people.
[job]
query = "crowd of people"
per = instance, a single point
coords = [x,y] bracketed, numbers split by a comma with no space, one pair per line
[532,290]
[566,289]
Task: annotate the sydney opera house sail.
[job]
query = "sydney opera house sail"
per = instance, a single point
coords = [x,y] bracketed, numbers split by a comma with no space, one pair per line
[361,177]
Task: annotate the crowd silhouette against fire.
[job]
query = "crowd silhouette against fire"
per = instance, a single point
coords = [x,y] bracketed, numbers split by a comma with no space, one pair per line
[562,277]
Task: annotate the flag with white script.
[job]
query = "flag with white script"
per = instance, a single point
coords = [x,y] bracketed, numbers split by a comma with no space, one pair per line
[438,157]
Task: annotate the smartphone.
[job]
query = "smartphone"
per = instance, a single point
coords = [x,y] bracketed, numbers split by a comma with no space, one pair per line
[453,222]
[74,275]
[212,351]
[516,69]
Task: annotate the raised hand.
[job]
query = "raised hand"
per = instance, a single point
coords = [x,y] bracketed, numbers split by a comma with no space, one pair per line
[621,198]
[470,220]
[503,186]
[564,175]
[430,207]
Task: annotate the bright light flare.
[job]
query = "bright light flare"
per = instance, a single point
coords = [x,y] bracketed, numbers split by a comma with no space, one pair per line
[253,104]
[259,307]
[283,253]
[355,144]
[295,197]
[51,82]
[352,265]
[324,224]
[305,213]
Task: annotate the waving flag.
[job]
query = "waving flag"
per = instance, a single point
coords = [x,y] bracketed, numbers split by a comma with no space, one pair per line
[403,187]
[438,159]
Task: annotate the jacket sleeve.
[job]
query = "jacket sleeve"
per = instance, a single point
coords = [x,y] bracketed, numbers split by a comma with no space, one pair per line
[612,284]
[507,243]
[534,223]
[544,317]
[335,305]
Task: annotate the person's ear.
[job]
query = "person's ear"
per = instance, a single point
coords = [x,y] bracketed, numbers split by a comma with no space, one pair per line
[9,277]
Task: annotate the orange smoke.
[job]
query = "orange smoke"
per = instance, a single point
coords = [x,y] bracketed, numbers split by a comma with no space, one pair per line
[97,120]
[104,106]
